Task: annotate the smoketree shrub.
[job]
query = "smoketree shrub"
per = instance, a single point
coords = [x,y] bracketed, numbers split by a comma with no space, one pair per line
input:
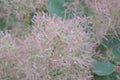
[40,45]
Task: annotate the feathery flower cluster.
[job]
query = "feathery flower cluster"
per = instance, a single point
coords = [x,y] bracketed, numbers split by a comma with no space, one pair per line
[56,49]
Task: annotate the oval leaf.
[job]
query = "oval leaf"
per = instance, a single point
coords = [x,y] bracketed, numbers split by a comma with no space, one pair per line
[56,7]
[102,68]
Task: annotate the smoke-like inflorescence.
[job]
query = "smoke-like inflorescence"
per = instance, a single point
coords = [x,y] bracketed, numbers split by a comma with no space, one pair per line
[55,49]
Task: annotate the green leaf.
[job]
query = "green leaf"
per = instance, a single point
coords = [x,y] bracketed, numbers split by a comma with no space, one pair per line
[102,68]
[110,42]
[116,52]
[56,7]
[2,23]
[111,45]
[109,77]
